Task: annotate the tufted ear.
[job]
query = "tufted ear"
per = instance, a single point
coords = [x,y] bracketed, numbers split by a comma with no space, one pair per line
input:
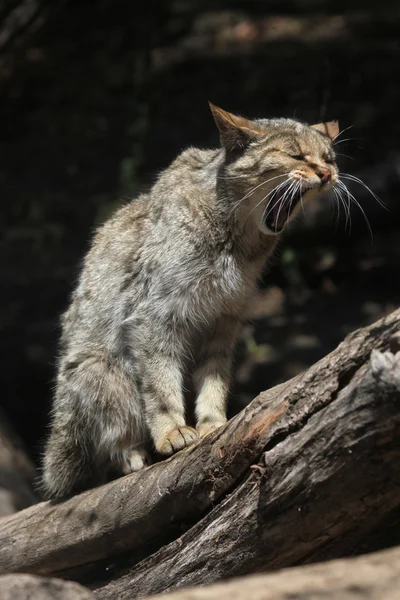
[235,132]
[330,129]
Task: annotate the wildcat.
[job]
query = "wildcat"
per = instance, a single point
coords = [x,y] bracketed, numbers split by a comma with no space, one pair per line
[162,294]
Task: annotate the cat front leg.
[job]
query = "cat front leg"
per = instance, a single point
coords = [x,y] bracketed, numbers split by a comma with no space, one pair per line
[164,404]
[212,377]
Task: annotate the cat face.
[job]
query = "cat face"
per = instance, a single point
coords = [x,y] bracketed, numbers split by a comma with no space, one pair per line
[275,166]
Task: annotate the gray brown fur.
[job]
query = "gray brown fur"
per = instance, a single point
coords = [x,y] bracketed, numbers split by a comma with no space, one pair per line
[162,294]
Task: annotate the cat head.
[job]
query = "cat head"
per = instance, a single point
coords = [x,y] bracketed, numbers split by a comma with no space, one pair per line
[274,166]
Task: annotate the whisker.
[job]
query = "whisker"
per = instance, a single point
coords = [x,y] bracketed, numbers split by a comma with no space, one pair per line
[275,189]
[341,201]
[301,196]
[346,155]
[251,192]
[346,201]
[345,140]
[360,181]
[283,202]
[343,130]
[273,192]
[346,206]
[264,216]
[296,189]
[353,199]
[337,206]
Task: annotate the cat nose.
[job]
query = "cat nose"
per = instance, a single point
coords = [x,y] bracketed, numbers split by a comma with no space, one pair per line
[324,175]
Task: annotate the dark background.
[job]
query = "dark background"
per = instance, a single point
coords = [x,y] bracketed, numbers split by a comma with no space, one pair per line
[104,94]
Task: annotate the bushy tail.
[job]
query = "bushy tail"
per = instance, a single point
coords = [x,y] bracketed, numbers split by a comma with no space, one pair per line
[67,467]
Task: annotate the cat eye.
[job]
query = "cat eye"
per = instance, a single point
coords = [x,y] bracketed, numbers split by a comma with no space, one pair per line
[329,161]
[297,156]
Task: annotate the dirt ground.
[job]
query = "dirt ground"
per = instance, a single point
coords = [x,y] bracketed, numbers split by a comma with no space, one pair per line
[108,93]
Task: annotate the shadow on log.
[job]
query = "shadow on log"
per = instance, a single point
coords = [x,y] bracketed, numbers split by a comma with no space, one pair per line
[304,473]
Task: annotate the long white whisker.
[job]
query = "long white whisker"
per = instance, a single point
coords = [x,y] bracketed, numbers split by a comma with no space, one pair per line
[297,187]
[345,140]
[273,193]
[337,206]
[360,181]
[258,186]
[346,155]
[267,204]
[346,208]
[264,216]
[353,199]
[283,202]
[346,204]
[343,130]
[274,190]
[301,196]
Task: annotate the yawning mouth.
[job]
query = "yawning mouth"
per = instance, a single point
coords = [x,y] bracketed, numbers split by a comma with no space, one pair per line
[279,210]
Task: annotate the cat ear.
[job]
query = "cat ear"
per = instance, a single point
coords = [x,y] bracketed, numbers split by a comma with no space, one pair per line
[236,132]
[330,129]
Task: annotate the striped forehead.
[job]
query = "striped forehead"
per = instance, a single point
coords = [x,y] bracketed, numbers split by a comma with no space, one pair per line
[301,139]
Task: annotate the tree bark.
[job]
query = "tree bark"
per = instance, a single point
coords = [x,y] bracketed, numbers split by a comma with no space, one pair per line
[17,472]
[370,577]
[304,473]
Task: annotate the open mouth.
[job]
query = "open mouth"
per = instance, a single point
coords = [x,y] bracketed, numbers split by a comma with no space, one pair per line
[279,210]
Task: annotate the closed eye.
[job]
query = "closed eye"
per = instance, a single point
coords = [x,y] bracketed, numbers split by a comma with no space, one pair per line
[296,156]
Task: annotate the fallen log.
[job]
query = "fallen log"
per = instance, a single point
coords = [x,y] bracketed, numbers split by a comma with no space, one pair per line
[316,493]
[370,577]
[306,470]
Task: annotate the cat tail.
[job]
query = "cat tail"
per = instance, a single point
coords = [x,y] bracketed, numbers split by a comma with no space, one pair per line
[67,468]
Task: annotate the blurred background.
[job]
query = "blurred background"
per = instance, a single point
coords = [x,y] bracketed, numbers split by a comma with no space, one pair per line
[97,96]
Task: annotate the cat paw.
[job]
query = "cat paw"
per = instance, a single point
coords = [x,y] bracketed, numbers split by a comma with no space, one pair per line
[134,460]
[206,428]
[176,439]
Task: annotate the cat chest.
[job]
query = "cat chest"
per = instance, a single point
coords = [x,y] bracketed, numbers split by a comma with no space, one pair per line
[210,290]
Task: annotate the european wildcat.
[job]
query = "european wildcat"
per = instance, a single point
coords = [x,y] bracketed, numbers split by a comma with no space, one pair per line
[163,291]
